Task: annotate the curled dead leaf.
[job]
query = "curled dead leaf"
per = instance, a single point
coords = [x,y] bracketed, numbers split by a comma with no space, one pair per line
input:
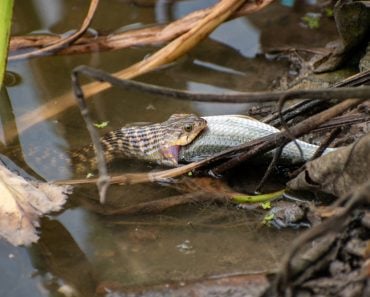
[22,203]
[338,172]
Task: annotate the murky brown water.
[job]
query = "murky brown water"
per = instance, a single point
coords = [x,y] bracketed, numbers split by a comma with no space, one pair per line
[81,248]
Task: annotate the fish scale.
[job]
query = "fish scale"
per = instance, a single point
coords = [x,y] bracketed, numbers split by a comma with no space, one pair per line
[224,132]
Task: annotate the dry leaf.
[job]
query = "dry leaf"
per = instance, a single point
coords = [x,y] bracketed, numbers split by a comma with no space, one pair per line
[338,172]
[22,203]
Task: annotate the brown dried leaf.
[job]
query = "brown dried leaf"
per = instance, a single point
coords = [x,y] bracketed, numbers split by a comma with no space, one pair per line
[338,172]
[22,203]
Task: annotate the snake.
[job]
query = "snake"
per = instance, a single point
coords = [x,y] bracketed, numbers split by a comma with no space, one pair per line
[157,143]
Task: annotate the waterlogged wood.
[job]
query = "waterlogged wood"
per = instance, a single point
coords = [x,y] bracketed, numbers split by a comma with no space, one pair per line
[339,172]
[22,203]
[6,11]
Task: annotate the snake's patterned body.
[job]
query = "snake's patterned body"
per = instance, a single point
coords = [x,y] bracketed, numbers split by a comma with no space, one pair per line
[158,143]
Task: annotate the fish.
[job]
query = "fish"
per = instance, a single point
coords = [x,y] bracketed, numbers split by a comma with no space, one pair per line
[226,131]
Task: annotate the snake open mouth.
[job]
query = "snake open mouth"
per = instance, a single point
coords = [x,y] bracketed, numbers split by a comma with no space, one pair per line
[173,152]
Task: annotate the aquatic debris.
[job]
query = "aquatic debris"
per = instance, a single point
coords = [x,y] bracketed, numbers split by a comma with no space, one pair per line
[22,203]
[337,173]
[186,247]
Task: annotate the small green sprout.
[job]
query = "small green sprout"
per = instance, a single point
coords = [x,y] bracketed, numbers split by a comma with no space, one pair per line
[266,205]
[312,20]
[190,173]
[101,125]
[329,12]
[268,218]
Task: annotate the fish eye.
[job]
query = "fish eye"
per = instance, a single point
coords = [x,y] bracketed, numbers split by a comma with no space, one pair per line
[188,127]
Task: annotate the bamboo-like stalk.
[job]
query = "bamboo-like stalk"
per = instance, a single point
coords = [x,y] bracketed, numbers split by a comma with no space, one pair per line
[6,11]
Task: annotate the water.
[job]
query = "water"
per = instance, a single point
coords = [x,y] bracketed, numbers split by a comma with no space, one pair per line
[84,249]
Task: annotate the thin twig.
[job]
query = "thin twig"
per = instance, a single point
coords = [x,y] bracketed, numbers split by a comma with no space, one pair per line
[239,97]
[344,120]
[103,180]
[60,44]
[268,171]
[323,146]
[307,105]
[284,124]
[326,142]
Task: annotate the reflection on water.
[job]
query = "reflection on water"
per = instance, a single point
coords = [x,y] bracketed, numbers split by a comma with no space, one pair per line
[245,39]
[82,248]
[185,244]
[48,12]
[215,108]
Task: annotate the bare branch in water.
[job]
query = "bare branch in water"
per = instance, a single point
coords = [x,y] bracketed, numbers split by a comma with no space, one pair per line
[63,42]
[152,36]
[103,180]
[240,97]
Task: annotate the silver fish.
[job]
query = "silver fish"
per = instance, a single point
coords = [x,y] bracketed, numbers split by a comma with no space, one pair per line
[226,131]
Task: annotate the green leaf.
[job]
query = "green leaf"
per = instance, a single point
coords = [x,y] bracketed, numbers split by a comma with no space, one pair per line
[257,198]
[101,125]
[6,11]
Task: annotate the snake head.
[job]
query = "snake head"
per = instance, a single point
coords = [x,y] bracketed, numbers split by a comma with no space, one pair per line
[181,129]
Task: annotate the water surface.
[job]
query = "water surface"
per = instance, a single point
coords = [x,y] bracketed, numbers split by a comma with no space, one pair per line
[80,247]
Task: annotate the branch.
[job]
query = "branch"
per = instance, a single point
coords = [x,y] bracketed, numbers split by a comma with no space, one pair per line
[152,36]
[64,42]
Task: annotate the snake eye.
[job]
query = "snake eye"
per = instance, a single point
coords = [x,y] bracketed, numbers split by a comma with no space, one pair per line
[188,127]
